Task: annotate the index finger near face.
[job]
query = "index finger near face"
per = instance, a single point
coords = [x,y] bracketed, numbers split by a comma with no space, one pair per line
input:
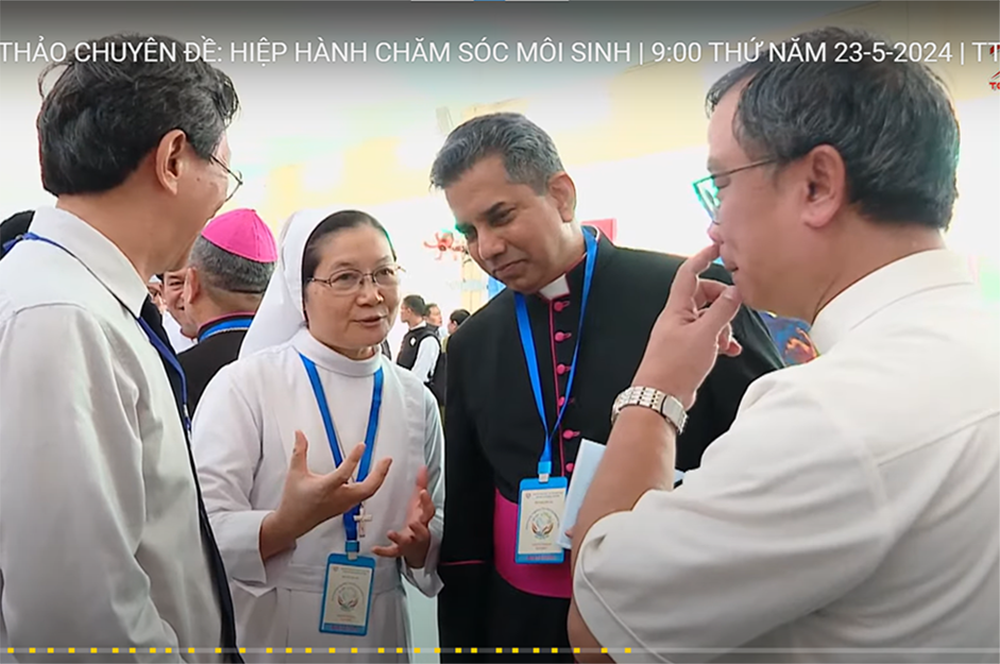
[685,285]
[699,262]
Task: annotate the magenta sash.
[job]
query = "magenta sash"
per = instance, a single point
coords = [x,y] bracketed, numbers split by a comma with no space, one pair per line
[543,580]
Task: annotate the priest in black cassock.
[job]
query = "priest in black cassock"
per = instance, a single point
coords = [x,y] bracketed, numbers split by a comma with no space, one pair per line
[228,271]
[545,358]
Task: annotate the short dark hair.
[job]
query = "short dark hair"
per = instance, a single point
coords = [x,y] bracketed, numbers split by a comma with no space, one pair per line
[103,116]
[225,271]
[529,154]
[892,123]
[459,316]
[432,305]
[336,222]
[416,304]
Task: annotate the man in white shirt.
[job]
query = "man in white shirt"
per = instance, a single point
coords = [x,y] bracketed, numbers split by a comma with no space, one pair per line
[105,543]
[421,346]
[851,511]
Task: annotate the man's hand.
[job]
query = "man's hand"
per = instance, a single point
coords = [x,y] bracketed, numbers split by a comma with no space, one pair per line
[414,541]
[691,331]
[309,499]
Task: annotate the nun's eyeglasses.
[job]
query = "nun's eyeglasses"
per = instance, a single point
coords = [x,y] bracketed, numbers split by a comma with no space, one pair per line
[348,282]
[235,178]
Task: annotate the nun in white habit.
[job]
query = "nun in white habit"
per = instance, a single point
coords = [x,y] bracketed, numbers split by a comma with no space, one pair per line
[308,567]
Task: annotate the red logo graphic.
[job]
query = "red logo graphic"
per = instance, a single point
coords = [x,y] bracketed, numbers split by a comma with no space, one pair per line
[993,84]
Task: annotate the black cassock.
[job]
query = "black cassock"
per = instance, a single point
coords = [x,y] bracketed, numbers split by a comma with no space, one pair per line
[218,344]
[494,436]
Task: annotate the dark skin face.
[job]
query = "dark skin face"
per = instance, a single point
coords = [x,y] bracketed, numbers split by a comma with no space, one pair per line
[520,237]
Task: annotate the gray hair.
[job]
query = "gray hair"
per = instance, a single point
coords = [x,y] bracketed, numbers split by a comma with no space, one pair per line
[226,271]
[529,154]
[892,122]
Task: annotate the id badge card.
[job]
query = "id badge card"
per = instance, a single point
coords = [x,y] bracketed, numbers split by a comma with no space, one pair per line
[347,595]
[539,514]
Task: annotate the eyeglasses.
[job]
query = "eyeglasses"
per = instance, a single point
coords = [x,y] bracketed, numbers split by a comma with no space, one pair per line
[235,178]
[349,282]
[708,192]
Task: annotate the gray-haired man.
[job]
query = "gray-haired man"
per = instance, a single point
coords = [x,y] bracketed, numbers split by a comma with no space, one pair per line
[228,271]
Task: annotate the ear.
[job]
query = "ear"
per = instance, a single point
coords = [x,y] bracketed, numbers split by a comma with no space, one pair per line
[563,192]
[169,160]
[825,185]
[192,286]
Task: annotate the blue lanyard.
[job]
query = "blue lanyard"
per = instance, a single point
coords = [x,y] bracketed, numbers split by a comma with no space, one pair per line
[528,344]
[350,524]
[154,338]
[241,323]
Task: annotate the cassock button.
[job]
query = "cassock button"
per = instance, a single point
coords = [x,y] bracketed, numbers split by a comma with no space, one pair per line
[569,468]
[562,336]
[559,306]
[561,401]
[561,369]
[569,433]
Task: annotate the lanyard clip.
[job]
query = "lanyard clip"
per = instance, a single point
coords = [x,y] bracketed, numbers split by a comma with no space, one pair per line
[352,547]
[544,470]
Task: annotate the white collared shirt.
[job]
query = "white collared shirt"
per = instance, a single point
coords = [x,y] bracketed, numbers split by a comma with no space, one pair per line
[427,356]
[854,504]
[100,543]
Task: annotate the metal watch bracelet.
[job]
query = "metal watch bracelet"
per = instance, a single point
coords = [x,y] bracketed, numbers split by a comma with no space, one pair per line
[667,406]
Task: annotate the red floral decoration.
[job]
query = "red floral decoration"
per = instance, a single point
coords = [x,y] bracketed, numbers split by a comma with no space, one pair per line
[446,242]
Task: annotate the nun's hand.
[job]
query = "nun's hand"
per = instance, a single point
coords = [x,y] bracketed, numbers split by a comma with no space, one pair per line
[310,499]
[414,541]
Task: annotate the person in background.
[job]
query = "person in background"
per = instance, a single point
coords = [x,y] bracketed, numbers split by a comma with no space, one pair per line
[434,319]
[421,346]
[105,542]
[852,510]
[458,316]
[182,332]
[559,343]
[277,439]
[228,271]
[13,227]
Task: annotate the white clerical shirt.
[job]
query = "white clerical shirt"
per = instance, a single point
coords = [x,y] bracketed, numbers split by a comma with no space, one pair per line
[854,504]
[99,538]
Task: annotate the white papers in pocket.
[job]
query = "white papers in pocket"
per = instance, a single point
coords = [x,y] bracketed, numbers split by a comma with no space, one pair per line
[584,468]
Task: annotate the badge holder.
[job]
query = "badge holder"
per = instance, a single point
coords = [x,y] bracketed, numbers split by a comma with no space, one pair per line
[541,501]
[350,577]
[540,507]
[347,592]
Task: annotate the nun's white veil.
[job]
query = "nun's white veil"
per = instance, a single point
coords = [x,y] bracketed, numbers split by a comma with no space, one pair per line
[280,315]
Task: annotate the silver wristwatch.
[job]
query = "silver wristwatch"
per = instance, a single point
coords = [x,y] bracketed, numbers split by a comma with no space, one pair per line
[664,404]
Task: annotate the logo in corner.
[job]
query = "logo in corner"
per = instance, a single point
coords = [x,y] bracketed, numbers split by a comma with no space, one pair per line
[993,81]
